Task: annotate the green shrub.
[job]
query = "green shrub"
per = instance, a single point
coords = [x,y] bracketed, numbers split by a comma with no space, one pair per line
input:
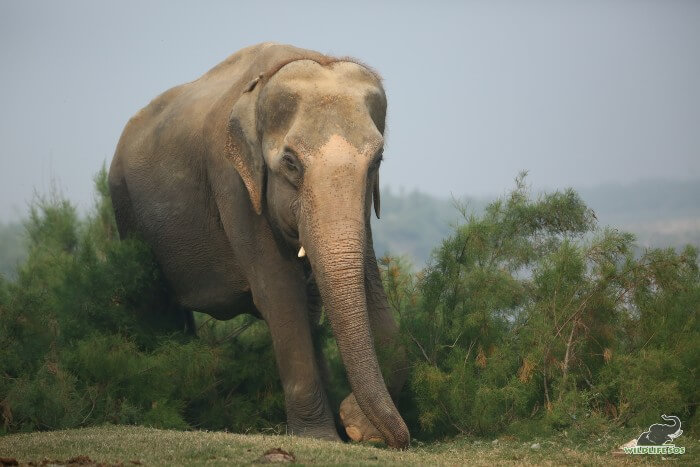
[530,312]
[87,338]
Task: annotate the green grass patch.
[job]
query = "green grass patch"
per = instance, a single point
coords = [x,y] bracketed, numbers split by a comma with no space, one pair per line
[149,446]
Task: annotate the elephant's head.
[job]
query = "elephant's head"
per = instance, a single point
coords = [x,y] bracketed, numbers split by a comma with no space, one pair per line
[673,430]
[314,141]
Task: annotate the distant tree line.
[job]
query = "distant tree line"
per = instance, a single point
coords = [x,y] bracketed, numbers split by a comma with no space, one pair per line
[413,223]
[13,248]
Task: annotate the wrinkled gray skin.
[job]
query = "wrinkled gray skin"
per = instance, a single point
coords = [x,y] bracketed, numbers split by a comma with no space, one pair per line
[228,176]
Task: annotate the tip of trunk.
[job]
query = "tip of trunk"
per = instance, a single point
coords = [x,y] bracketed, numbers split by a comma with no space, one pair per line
[401,437]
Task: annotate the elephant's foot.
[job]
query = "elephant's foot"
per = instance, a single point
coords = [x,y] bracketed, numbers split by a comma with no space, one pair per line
[313,425]
[320,432]
[357,426]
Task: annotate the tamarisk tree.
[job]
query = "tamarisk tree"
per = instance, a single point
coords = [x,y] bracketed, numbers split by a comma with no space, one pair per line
[530,311]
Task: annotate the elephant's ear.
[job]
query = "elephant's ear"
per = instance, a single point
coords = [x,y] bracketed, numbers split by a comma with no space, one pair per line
[243,147]
[375,195]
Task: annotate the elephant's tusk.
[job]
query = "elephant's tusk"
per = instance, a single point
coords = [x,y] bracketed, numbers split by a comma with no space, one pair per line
[302,252]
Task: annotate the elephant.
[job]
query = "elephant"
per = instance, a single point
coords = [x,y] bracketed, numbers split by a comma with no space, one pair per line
[254,186]
[661,433]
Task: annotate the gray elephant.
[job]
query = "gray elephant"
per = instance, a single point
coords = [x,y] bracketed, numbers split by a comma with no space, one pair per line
[253,185]
[661,433]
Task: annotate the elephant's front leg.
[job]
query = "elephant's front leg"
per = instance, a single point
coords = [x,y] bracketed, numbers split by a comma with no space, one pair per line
[282,301]
[390,351]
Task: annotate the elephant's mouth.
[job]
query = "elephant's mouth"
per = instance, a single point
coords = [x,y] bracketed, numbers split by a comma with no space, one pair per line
[293,240]
[288,235]
[313,295]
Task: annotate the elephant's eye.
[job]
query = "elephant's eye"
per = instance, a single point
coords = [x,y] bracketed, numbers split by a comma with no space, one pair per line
[377,162]
[290,162]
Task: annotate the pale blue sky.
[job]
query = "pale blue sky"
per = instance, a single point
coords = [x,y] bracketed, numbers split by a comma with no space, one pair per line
[579,93]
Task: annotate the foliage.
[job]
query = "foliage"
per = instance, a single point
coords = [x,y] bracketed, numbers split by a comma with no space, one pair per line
[87,337]
[528,319]
[530,313]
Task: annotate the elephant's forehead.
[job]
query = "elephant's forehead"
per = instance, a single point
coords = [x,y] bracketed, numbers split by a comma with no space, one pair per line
[318,109]
[309,70]
[309,79]
[329,87]
[336,146]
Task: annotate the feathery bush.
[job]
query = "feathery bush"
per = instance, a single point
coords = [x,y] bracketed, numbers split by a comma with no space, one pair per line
[530,312]
[87,337]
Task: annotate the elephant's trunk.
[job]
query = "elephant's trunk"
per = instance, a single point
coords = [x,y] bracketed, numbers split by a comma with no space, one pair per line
[676,421]
[333,234]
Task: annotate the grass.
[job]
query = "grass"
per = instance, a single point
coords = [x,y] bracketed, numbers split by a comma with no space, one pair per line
[132,445]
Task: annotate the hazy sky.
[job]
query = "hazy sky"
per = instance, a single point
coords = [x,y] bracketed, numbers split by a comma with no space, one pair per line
[577,92]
